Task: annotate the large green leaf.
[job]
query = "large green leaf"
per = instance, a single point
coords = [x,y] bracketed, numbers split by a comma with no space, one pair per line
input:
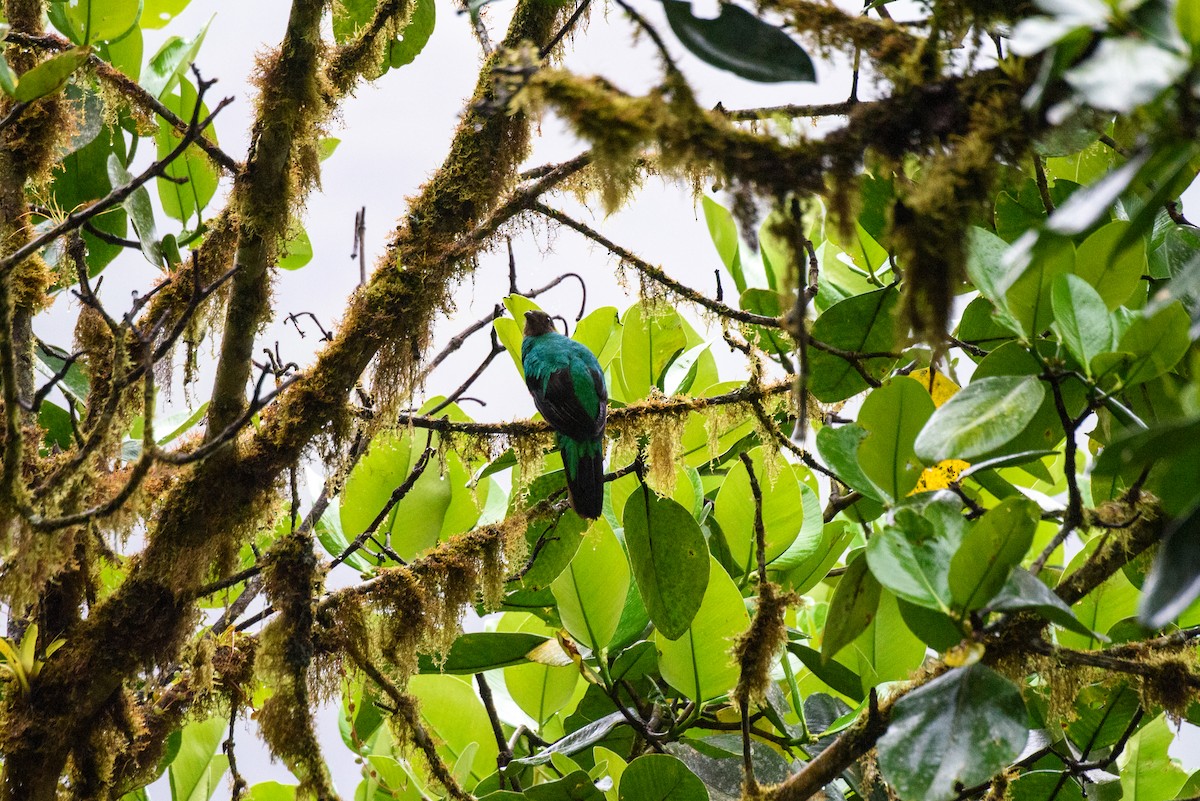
[860,324]
[741,43]
[196,771]
[992,546]
[538,689]
[100,20]
[1148,773]
[1111,264]
[852,608]
[982,417]
[660,777]
[1153,344]
[1027,294]
[699,663]
[414,37]
[184,200]
[912,556]
[670,560]
[591,591]
[839,448]
[458,721]
[723,231]
[139,209]
[50,76]
[1081,319]
[782,509]
[483,650]
[1174,581]
[171,62]
[1025,592]
[651,336]
[893,415]
[157,13]
[957,731]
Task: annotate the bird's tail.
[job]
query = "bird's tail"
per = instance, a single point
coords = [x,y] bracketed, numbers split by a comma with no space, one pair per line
[583,461]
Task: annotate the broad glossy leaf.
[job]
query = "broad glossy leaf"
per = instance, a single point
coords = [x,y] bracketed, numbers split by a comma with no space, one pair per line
[911,557]
[893,415]
[782,509]
[183,201]
[660,777]
[1148,773]
[741,43]
[956,731]
[171,62]
[723,231]
[271,791]
[297,250]
[1028,294]
[852,608]
[50,76]
[476,652]
[651,336]
[887,650]
[835,537]
[992,546]
[1023,591]
[1125,72]
[596,329]
[1174,581]
[861,324]
[538,689]
[699,663]
[1081,319]
[458,721]
[1154,343]
[100,20]
[415,35]
[591,591]
[984,416]
[580,739]
[1111,263]
[839,448]
[139,209]
[196,771]
[670,560]
[157,13]
[575,786]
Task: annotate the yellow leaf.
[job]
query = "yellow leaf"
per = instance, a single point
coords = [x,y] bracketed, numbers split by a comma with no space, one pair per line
[940,476]
[936,384]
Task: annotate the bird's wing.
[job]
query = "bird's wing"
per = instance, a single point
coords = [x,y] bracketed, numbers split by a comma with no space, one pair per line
[573,398]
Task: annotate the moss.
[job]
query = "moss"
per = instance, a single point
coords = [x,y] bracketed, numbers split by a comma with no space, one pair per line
[757,649]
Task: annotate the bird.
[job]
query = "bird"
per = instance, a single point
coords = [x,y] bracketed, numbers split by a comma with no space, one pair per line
[568,388]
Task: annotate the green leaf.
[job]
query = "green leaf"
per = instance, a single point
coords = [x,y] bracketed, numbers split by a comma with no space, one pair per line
[893,415]
[1187,19]
[839,448]
[591,591]
[1148,773]
[833,673]
[862,324]
[415,35]
[575,786]
[1027,295]
[782,509]
[1111,263]
[1024,592]
[485,650]
[1174,581]
[416,521]
[101,20]
[271,791]
[1081,318]
[458,721]
[171,62]
[835,537]
[1155,343]
[139,209]
[8,78]
[852,608]
[985,253]
[992,546]
[724,233]
[984,415]
[1125,72]
[157,13]
[196,771]
[596,329]
[887,650]
[297,250]
[199,175]
[660,777]
[670,560]
[699,663]
[651,336]
[912,556]
[741,43]
[957,731]
[51,75]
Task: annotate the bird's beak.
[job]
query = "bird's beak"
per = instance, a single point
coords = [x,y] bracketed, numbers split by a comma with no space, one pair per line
[527,314]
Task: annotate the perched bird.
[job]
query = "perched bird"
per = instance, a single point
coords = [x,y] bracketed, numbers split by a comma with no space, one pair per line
[568,388]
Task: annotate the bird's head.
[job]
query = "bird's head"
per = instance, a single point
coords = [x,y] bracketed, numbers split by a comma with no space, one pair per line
[537,323]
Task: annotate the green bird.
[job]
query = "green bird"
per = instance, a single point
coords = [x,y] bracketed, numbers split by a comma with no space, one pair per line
[568,388]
